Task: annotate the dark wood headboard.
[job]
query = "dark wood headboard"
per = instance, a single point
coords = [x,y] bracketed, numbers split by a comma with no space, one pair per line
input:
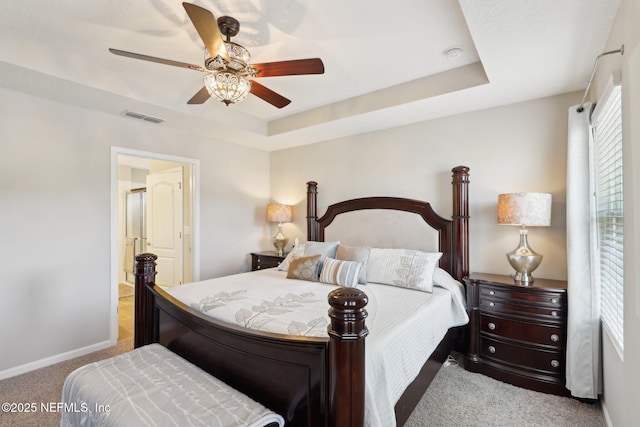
[453,234]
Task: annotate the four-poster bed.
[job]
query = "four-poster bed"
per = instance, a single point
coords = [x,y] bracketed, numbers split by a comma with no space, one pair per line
[309,380]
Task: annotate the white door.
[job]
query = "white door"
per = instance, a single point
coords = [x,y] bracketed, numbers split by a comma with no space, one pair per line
[164,224]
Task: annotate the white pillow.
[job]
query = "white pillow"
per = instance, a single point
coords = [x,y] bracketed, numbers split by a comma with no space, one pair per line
[405,268]
[296,252]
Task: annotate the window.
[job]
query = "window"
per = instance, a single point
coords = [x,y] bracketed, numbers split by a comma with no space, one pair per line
[607,132]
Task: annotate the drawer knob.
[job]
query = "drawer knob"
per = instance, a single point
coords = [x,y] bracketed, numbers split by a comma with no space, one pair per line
[555,363]
[554,313]
[554,300]
[492,292]
[492,326]
[492,304]
[555,338]
[492,349]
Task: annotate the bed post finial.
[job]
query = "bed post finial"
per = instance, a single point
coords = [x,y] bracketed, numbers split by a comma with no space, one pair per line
[312,211]
[461,221]
[145,272]
[346,354]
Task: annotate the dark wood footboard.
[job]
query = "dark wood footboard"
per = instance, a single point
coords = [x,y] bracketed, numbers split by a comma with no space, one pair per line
[310,381]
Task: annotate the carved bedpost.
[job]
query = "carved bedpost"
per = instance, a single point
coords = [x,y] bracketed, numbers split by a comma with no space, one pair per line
[312,210]
[145,272]
[346,356]
[461,221]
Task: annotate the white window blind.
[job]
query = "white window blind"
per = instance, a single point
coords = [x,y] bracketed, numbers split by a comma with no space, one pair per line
[607,131]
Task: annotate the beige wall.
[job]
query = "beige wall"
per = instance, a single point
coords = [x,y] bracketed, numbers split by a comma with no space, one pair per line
[621,399]
[519,147]
[55,208]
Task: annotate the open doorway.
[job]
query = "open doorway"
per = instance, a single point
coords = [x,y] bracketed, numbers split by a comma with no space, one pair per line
[154,209]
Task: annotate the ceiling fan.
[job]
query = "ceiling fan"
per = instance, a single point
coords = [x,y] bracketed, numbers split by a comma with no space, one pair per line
[228,72]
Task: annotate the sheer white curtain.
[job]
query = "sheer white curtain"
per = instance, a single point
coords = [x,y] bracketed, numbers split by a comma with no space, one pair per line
[583,325]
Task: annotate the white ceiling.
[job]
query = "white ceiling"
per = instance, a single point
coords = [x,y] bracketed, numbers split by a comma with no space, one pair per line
[384,61]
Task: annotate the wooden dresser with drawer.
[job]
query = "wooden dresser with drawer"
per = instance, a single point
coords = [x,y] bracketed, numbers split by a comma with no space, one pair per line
[517,334]
[262,260]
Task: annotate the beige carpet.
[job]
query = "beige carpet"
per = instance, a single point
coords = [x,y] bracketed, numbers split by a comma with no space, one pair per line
[44,386]
[455,398]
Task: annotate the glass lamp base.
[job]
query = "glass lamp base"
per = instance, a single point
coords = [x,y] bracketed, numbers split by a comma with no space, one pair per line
[279,241]
[524,279]
[524,260]
[280,244]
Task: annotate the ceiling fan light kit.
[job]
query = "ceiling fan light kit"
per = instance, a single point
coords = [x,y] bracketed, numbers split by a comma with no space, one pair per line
[228,71]
[227,86]
[228,81]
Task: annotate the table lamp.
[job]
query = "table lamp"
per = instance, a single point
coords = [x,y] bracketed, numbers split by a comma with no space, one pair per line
[525,210]
[279,213]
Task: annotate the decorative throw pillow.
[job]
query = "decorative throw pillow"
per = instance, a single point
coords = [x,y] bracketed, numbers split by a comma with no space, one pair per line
[405,268]
[296,252]
[358,254]
[324,249]
[304,268]
[341,273]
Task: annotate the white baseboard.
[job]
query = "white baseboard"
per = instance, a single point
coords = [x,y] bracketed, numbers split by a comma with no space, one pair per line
[12,372]
[605,415]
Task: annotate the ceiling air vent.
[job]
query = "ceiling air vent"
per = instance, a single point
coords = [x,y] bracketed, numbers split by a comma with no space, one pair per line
[144,117]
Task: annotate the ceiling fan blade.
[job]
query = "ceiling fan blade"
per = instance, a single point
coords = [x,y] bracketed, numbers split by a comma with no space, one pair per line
[268,95]
[158,60]
[207,28]
[201,97]
[294,67]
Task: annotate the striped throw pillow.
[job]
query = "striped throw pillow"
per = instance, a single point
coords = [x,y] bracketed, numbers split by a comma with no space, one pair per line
[341,273]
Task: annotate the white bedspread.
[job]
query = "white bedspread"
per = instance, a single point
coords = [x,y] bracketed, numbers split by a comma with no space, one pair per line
[151,386]
[405,325]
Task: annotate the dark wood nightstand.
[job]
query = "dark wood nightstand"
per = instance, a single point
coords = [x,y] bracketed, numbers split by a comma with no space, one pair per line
[262,260]
[518,334]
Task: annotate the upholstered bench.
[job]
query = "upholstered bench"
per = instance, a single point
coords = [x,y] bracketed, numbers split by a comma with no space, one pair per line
[153,386]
